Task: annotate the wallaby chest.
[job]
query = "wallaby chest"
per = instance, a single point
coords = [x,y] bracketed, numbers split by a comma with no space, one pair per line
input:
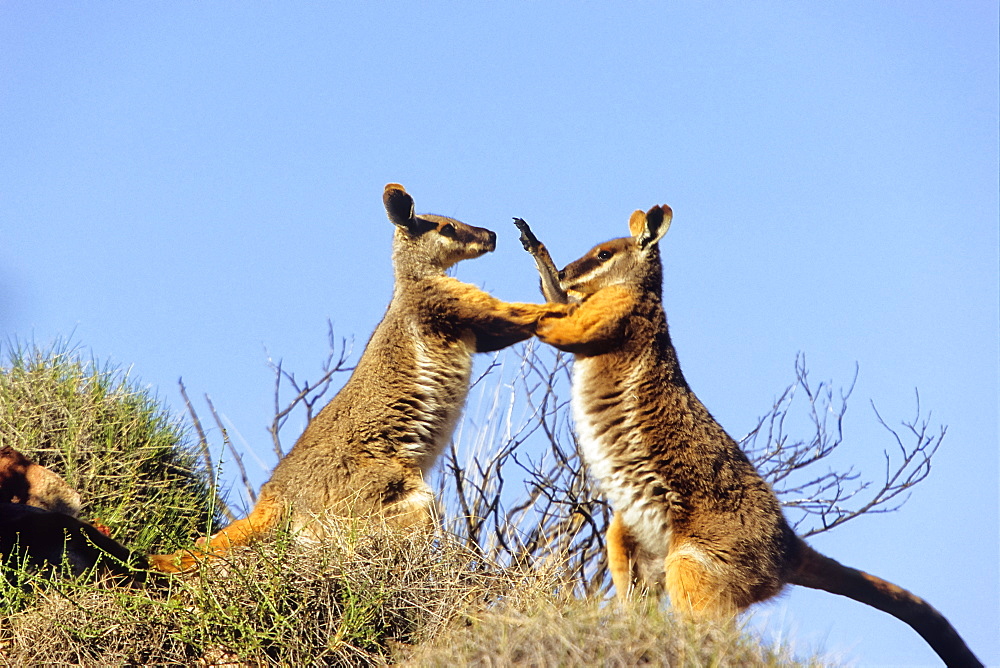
[439,369]
[406,392]
[609,410]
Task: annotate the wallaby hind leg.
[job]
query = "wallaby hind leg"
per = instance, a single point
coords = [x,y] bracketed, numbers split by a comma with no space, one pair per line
[695,587]
[264,516]
[621,559]
[414,511]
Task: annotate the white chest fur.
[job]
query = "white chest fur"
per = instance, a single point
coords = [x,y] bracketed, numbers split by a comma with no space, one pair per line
[441,380]
[617,457]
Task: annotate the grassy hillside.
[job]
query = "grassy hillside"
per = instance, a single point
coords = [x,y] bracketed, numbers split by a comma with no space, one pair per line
[365,595]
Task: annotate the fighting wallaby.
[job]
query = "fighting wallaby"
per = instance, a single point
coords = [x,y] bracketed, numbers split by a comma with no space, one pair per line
[369,449]
[39,525]
[691,513]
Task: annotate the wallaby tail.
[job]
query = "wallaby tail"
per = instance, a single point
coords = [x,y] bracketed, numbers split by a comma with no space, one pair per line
[819,572]
[264,517]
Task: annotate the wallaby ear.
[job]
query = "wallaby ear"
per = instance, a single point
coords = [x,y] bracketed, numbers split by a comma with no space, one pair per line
[399,206]
[649,227]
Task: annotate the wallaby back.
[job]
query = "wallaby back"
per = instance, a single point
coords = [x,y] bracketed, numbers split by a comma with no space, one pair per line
[691,513]
[368,450]
[24,481]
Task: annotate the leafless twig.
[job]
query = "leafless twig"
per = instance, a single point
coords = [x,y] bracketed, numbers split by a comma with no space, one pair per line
[306,394]
[206,455]
[822,500]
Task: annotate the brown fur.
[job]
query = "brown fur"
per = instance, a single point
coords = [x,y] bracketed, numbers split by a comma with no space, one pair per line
[38,522]
[369,449]
[24,481]
[692,515]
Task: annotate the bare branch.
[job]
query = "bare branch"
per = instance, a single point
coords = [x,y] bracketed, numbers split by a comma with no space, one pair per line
[556,514]
[247,487]
[206,455]
[822,500]
[306,394]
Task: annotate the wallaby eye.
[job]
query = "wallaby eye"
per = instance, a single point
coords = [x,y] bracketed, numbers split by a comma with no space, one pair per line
[447,230]
[604,255]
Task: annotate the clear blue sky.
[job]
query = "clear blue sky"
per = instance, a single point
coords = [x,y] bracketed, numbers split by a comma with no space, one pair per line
[185,187]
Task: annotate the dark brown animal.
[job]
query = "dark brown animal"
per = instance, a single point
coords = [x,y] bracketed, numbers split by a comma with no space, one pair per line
[691,513]
[24,481]
[44,539]
[39,527]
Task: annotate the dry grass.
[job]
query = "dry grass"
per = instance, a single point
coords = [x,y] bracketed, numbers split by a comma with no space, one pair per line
[364,596]
[574,632]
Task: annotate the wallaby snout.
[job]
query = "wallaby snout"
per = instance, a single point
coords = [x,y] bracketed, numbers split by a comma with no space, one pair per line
[491,244]
[478,240]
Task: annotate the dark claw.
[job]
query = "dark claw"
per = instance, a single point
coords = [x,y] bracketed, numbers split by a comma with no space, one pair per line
[528,239]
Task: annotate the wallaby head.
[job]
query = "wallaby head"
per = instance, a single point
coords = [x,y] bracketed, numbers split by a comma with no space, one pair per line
[429,244]
[632,261]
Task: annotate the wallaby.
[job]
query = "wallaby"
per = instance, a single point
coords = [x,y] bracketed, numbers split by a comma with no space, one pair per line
[25,481]
[39,525]
[367,452]
[691,513]
[45,538]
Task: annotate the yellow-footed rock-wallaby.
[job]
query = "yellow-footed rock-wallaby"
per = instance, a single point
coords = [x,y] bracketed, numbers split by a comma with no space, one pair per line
[691,513]
[367,452]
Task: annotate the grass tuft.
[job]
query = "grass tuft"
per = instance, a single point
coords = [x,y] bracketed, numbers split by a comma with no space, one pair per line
[585,632]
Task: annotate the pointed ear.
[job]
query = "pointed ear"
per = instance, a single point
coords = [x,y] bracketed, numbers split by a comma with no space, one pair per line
[648,228]
[399,206]
[637,222]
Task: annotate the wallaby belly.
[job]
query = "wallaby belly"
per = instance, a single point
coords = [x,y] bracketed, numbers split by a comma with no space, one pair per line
[604,411]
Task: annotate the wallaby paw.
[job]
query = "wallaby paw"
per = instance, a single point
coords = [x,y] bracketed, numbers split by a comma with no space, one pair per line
[528,238]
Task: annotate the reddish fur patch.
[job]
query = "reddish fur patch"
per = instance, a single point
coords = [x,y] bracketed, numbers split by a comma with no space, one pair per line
[14,487]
